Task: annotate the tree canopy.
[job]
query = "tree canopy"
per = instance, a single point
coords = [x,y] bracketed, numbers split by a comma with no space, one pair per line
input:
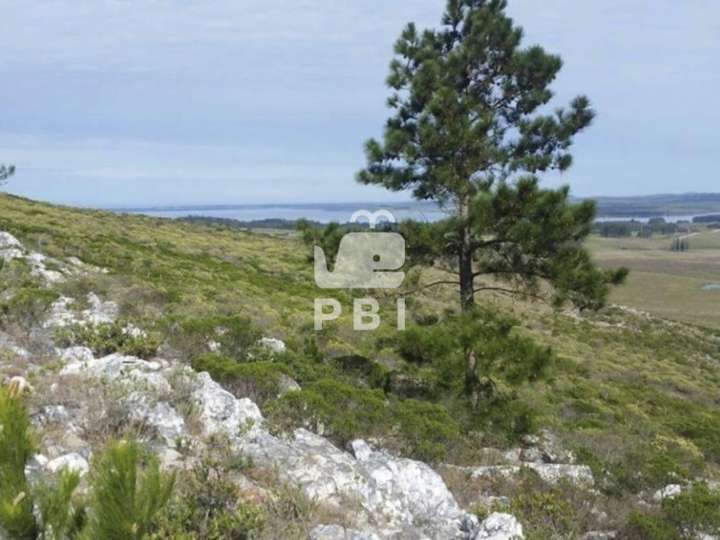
[6,171]
[471,129]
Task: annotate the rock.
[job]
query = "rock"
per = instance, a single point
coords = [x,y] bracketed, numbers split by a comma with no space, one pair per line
[61,314]
[580,475]
[545,447]
[73,461]
[74,355]
[8,241]
[170,459]
[337,532]
[599,535]
[37,262]
[134,332]
[396,498]
[163,418]
[287,384]
[222,413]
[668,492]
[500,527]
[10,247]
[99,312]
[35,466]
[273,344]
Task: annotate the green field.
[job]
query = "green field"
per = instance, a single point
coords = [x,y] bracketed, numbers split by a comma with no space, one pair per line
[666,283]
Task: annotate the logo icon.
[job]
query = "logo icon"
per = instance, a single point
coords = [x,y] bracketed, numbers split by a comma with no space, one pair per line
[365,260]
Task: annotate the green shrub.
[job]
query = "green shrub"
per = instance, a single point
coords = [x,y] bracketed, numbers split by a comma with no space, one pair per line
[260,381]
[208,504]
[109,338]
[427,430]
[236,336]
[16,449]
[648,527]
[545,514]
[342,412]
[127,494]
[693,513]
[27,305]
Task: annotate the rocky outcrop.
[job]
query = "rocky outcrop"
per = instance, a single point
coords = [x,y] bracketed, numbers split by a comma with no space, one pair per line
[500,527]
[387,497]
[98,312]
[48,269]
[579,475]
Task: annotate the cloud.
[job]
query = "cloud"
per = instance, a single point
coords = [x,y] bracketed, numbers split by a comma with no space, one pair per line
[282,93]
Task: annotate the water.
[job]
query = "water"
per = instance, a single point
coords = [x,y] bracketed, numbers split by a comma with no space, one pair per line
[712,287]
[337,212]
[323,213]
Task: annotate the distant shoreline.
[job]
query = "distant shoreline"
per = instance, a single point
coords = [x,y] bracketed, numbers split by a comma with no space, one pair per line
[670,207]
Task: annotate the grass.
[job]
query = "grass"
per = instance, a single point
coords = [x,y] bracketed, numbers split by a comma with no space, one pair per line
[664,283]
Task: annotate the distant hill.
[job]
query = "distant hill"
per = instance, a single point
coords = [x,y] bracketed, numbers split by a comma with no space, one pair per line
[658,205]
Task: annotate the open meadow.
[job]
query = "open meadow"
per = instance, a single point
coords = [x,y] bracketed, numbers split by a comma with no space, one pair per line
[682,286]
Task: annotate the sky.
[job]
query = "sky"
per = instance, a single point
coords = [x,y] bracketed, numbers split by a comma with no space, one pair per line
[119,103]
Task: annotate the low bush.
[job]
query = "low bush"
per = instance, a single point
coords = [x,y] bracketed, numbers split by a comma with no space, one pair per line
[695,513]
[209,504]
[233,336]
[260,381]
[109,338]
[342,412]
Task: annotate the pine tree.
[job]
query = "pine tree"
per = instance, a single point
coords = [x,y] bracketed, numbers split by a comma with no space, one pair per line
[6,171]
[469,132]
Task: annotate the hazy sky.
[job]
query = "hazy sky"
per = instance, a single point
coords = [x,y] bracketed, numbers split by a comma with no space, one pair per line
[116,103]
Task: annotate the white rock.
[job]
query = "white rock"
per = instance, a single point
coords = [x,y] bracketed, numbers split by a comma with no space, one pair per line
[337,532]
[74,462]
[398,498]
[100,312]
[61,314]
[599,535]
[668,492]
[221,412]
[73,355]
[170,459]
[287,384]
[273,344]
[166,420]
[134,332]
[580,475]
[7,241]
[10,247]
[500,527]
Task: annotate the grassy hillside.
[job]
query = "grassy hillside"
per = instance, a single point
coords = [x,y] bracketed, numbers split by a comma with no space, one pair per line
[636,397]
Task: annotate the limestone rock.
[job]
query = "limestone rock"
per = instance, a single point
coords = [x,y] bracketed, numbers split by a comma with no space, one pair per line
[500,527]
[580,475]
[221,412]
[273,344]
[337,532]
[668,492]
[73,461]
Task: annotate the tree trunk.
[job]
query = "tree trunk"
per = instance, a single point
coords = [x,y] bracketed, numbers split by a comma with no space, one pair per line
[467,297]
[467,294]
